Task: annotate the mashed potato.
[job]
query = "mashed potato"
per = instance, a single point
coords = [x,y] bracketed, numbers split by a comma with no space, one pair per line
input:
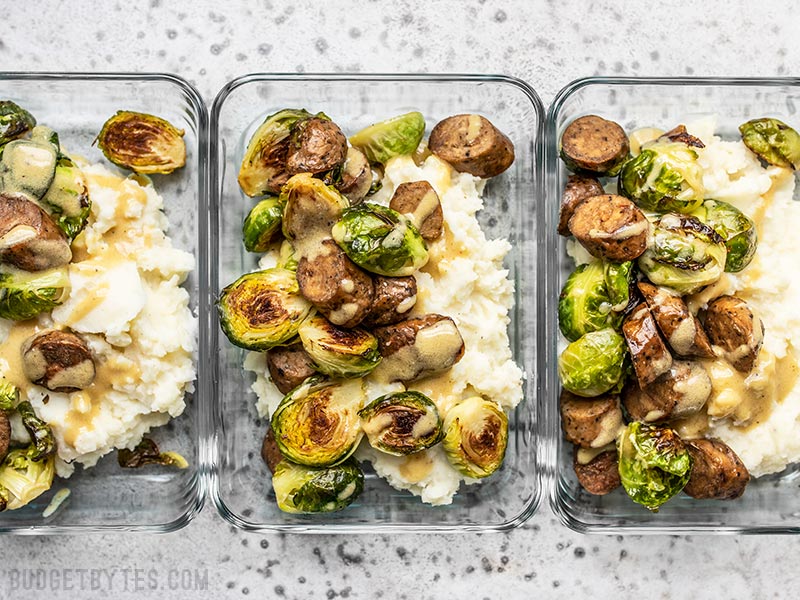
[127,303]
[464,280]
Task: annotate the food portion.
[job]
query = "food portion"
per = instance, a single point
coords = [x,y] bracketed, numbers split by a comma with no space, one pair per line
[386,341]
[88,281]
[678,366]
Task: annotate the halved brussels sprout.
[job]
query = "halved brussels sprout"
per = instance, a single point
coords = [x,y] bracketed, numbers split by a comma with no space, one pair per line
[23,478]
[317,423]
[146,452]
[310,208]
[654,464]
[619,277]
[380,240]
[143,143]
[287,257]
[402,423]
[67,199]
[9,395]
[664,177]
[339,352]
[397,136]
[263,167]
[735,228]
[593,364]
[773,141]
[475,437]
[24,295]
[262,309]
[15,121]
[44,444]
[262,223]
[684,254]
[28,166]
[300,489]
[584,304]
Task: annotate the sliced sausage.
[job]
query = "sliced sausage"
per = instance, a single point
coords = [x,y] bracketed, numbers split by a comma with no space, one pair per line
[649,353]
[29,238]
[681,329]
[641,406]
[610,227]
[58,360]
[578,189]
[471,144]
[732,326]
[289,366]
[594,144]
[717,472]
[679,134]
[356,176]
[420,203]
[317,145]
[679,393]
[270,453]
[590,422]
[5,434]
[600,476]
[394,297]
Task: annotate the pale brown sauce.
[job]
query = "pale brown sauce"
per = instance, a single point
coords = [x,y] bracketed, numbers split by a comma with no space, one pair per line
[416,467]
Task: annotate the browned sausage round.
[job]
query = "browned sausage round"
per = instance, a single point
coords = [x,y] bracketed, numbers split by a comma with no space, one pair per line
[270,452]
[601,475]
[717,473]
[610,227]
[5,434]
[641,406]
[317,145]
[58,360]
[732,326]
[420,202]
[649,353]
[471,144]
[289,366]
[578,189]
[30,238]
[590,422]
[681,329]
[394,297]
[356,176]
[679,393]
[594,144]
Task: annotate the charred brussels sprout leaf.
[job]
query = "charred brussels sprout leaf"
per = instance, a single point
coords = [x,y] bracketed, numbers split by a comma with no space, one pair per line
[475,437]
[15,121]
[618,277]
[735,228]
[380,240]
[397,136]
[317,423]
[664,177]
[23,479]
[67,199]
[143,143]
[593,364]
[9,395]
[262,309]
[44,444]
[654,464]
[146,452]
[773,141]
[339,352]
[402,423]
[28,166]
[584,304]
[24,295]
[261,224]
[301,489]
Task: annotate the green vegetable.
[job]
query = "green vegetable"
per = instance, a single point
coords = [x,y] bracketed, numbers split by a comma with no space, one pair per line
[402,423]
[380,240]
[584,304]
[9,395]
[310,207]
[618,277]
[773,141]
[24,295]
[28,166]
[23,478]
[44,444]
[146,452]
[67,199]
[317,423]
[476,436]
[593,364]
[339,352]
[143,143]
[262,223]
[15,121]
[735,228]
[664,177]
[262,309]
[287,258]
[300,489]
[397,136]
[654,464]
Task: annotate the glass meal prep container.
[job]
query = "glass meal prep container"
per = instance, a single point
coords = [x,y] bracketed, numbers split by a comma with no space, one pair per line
[107,497]
[240,481]
[770,504]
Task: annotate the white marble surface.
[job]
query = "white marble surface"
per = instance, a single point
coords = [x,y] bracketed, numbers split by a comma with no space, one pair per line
[546,43]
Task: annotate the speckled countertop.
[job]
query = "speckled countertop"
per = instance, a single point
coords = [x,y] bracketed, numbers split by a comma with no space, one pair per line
[546,43]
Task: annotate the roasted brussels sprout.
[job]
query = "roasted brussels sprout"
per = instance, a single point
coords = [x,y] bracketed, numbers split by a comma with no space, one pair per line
[773,141]
[15,121]
[143,143]
[584,304]
[380,240]
[317,423]
[664,177]
[262,223]
[735,228]
[24,295]
[301,489]
[146,452]
[339,352]
[262,309]
[401,423]
[23,478]
[683,254]
[475,437]
[9,395]
[619,277]
[44,444]
[654,464]
[397,136]
[310,210]
[593,364]
[67,199]
[28,166]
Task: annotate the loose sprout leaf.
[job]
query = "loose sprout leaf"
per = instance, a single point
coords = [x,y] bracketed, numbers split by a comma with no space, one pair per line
[773,141]
[15,121]
[44,444]
[67,199]
[23,479]
[147,453]
[9,395]
[24,295]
